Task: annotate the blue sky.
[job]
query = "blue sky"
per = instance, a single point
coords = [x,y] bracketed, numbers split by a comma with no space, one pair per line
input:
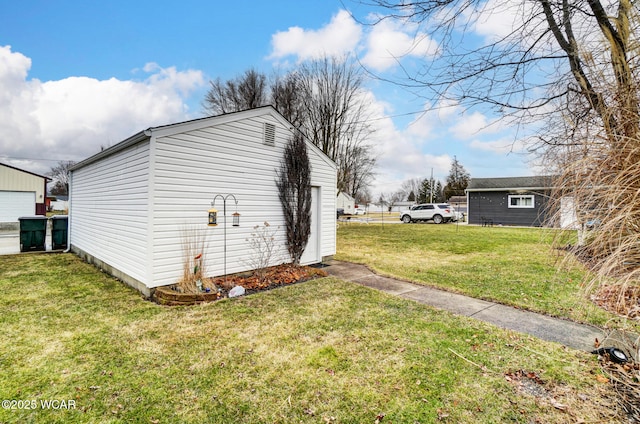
[76,76]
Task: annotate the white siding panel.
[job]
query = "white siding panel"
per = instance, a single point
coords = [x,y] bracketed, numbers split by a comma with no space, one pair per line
[192,167]
[109,218]
[324,175]
[130,208]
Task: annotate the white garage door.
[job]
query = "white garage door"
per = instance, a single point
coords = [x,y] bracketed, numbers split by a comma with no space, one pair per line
[14,204]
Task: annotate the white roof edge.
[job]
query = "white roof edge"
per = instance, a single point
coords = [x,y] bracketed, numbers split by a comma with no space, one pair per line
[134,139]
[170,129]
[508,189]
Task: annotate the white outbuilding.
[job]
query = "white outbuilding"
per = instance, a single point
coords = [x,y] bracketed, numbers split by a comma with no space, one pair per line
[133,205]
[346,203]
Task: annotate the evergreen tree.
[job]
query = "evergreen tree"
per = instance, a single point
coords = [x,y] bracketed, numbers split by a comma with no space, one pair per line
[457,180]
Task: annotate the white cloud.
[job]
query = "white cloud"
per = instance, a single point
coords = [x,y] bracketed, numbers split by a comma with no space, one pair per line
[338,37]
[388,43]
[496,19]
[73,117]
[501,146]
[384,44]
[403,153]
[470,125]
[434,118]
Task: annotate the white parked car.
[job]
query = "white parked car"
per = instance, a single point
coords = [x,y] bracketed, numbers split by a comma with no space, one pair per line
[360,211]
[436,212]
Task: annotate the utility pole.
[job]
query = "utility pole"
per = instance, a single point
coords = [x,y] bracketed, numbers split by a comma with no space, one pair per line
[431,186]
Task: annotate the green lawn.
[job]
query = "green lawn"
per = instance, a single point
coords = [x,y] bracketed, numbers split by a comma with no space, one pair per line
[514,266]
[324,351]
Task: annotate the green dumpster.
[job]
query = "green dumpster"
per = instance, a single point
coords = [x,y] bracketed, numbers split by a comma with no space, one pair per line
[59,224]
[33,232]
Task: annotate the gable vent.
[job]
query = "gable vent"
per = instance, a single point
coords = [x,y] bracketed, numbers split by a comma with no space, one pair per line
[269,134]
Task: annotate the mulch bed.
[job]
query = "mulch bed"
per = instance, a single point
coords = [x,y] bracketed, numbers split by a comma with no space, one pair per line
[619,299]
[219,287]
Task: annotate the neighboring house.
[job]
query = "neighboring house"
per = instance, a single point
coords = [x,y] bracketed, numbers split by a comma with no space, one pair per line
[132,205]
[61,203]
[22,193]
[400,206]
[346,202]
[520,201]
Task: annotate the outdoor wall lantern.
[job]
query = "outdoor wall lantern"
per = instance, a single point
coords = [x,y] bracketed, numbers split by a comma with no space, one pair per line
[213,217]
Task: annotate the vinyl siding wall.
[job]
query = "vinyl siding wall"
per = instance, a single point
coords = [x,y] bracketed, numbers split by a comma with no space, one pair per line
[16,180]
[495,206]
[325,176]
[192,167]
[109,210]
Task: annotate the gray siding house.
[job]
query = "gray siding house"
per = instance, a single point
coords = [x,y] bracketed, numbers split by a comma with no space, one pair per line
[129,205]
[518,201]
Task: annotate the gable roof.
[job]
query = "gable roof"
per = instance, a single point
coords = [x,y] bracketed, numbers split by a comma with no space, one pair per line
[170,129]
[26,172]
[511,183]
[346,196]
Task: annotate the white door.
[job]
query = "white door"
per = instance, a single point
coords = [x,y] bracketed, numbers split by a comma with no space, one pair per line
[311,253]
[14,204]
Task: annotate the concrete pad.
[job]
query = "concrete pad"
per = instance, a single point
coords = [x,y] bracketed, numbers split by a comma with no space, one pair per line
[9,244]
[456,303]
[568,333]
[347,271]
[387,285]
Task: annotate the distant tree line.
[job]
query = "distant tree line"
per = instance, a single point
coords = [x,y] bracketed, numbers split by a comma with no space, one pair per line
[430,190]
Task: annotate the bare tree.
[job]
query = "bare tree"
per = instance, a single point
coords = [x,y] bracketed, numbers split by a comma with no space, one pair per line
[336,118]
[390,199]
[60,173]
[245,92]
[294,190]
[324,99]
[411,189]
[286,97]
[355,170]
[571,64]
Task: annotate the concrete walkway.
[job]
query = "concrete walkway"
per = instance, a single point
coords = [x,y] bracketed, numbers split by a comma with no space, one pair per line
[568,333]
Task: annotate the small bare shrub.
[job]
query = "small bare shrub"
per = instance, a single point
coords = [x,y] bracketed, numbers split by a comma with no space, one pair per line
[262,243]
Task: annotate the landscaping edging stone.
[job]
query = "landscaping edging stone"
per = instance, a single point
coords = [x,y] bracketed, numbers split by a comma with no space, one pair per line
[168,297]
[223,287]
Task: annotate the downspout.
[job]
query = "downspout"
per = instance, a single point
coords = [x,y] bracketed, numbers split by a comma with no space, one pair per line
[68,249]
